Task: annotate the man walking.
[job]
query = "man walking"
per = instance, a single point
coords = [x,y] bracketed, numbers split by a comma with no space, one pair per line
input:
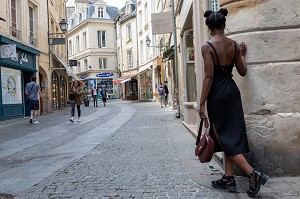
[104,96]
[95,96]
[166,90]
[161,94]
[33,92]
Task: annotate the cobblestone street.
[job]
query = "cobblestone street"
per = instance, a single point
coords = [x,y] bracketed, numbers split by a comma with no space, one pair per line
[126,150]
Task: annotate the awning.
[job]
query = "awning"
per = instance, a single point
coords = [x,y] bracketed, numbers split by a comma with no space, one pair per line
[125,80]
[69,71]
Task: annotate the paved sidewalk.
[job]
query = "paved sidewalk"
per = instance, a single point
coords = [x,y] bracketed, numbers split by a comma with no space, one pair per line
[287,187]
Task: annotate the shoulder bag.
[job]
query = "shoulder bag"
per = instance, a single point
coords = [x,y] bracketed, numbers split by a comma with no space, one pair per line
[27,97]
[205,146]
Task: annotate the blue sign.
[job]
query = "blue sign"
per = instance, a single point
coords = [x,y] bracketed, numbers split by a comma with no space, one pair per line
[104,75]
[83,76]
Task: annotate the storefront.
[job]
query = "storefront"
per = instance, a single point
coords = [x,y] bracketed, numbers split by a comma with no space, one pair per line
[146,85]
[17,67]
[101,80]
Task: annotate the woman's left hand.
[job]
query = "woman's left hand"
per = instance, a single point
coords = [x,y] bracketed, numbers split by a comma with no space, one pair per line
[203,116]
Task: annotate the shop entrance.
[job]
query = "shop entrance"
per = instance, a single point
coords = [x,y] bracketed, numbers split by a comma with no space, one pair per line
[132,90]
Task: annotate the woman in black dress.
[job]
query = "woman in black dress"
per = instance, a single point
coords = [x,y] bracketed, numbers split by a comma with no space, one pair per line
[224,106]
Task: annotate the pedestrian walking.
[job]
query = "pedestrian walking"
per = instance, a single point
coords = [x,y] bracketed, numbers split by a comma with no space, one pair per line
[33,93]
[104,96]
[161,94]
[85,93]
[166,91]
[75,96]
[95,96]
[224,106]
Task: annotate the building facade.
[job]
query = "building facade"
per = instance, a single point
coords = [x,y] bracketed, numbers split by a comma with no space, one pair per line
[92,43]
[26,26]
[128,51]
[270,89]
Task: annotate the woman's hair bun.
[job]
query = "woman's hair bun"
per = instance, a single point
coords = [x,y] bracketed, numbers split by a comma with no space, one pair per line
[207,13]
[224,11]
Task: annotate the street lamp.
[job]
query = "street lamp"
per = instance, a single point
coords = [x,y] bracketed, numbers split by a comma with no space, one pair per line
[148,42]
[63,25]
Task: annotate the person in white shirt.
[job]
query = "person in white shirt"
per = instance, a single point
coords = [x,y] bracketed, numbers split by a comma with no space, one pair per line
[95,95]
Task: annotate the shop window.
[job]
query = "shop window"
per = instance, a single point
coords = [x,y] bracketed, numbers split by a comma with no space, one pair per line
[107,84]
[63,92]
[55,91]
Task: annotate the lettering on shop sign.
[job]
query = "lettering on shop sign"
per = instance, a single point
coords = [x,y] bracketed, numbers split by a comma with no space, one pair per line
[22,60]
[105,75]
[83,76]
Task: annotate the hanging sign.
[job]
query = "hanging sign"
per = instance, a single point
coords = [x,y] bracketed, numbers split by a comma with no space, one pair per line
[105,75]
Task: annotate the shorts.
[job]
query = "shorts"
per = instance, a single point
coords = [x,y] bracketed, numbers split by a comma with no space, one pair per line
[34,104]
[162,97]
[104,99]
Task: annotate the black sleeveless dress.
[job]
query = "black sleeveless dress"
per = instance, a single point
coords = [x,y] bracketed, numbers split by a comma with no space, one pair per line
[225,111]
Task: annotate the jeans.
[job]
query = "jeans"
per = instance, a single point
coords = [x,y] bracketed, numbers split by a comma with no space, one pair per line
[73,110]
[95,100]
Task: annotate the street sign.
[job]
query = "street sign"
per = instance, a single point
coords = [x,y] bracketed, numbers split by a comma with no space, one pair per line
[73,62]
[57,41]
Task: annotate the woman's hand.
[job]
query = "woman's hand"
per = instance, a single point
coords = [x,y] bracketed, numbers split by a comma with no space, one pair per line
[243,48]
[203,116]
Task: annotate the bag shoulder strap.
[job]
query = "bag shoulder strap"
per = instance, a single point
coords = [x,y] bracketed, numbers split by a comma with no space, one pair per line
[31,88]
[199,132]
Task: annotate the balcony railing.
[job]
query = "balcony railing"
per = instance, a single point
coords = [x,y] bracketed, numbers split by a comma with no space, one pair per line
[15,33]
[32,41]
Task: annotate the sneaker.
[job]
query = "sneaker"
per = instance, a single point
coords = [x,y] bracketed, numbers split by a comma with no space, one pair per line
[36,122]
[226,182]
[72,119]
[78,119]
[256,179]
[30,121]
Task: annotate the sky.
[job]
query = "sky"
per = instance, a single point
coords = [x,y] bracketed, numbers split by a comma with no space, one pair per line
[116,3]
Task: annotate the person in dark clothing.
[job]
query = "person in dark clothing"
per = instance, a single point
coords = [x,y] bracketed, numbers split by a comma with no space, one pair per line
[224,106]
[104,96]
[166,91]
[95,95]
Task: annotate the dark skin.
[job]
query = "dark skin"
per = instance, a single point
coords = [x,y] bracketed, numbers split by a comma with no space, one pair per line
[225,50]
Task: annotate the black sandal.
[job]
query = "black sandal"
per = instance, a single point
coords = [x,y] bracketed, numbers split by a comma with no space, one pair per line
[226,182]
[256,179]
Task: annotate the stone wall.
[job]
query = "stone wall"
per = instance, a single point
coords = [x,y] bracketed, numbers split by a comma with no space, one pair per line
[270,91]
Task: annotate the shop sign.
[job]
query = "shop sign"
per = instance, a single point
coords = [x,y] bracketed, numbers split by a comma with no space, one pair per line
[22,58]
[83,76]
[105,75]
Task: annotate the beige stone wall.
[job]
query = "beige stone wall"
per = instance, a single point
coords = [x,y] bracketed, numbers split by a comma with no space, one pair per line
[271,29]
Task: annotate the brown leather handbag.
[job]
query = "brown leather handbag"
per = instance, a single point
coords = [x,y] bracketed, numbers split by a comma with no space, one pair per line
[205,146]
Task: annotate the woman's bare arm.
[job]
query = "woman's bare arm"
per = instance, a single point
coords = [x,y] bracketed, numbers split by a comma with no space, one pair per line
[208,77]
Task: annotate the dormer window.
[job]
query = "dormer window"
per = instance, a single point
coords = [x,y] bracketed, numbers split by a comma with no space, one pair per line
[100,12]
[128,9]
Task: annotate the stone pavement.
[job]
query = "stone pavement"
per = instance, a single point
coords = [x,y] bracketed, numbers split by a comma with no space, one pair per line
[126,150]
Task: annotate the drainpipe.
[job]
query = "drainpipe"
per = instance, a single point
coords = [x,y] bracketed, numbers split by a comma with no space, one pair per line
[176,92]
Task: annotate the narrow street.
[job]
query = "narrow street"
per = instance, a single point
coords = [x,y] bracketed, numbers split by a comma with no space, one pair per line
[124,150]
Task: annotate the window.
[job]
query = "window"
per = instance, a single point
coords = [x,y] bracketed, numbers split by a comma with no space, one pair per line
[70,47]
[141,52]
[215,5]
[78,66]
[147,52]
[129,57]
[101,39]
[13,8]
[84,40]
[102,63]
[146,14]
[140,20]
[100,12]
[128,9]
[32,39]
[77,44]
[129,33]
[85,65]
